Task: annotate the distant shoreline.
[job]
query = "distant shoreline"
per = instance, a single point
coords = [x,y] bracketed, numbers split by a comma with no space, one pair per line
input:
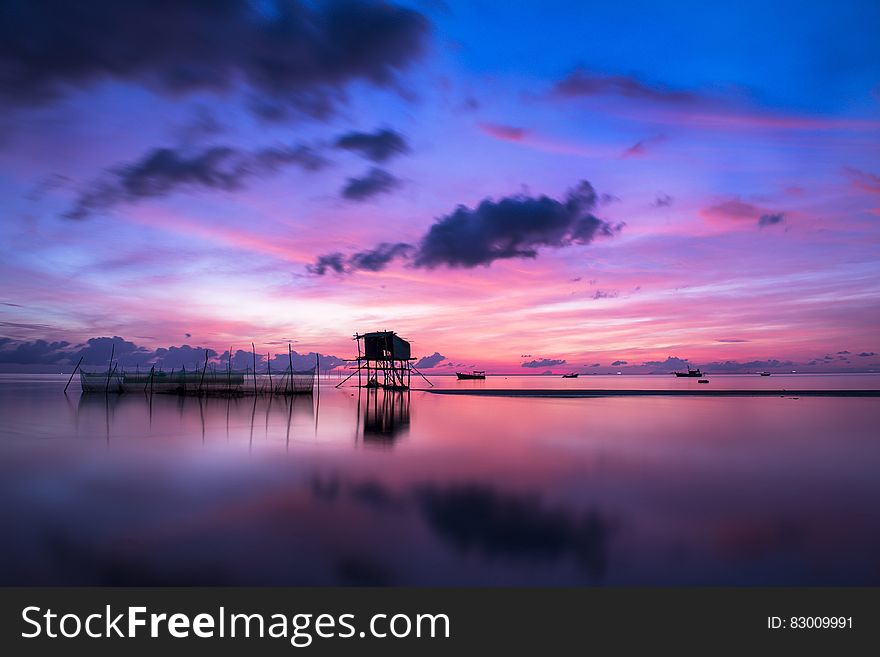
[653,393]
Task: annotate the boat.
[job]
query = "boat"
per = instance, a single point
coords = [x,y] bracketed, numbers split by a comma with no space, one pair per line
[695,374]
[703,381]
[476,374]
[764,373]
[573,375]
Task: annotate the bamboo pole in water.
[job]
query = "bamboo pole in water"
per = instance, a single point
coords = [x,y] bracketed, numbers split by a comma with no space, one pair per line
[269,369]
[290,360]
[112,353]
[204,369]
[254,351]
[74,372]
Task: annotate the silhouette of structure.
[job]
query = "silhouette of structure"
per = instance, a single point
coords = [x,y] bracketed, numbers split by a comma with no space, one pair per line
[384,361]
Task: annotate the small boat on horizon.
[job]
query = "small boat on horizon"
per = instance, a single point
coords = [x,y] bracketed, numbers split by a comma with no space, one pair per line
[695,374]
[764,373]
[476,374]
[572,375]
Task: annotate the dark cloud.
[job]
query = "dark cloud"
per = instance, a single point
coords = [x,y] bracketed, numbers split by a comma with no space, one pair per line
[330,262]
[97,351]
[378,258]
[731,340]
[287,54]
[867,354]
[618,363]
[202,125]
[430,361]
[771,219]
[582,82]
[662,201]
[604,294]
[182,356]
[377,146]
[163,171]
[596,365]
[375,181]
[671,363]
[514,227]
[544,362]
[844,352]
[375,259]
[36,352]
[750,366]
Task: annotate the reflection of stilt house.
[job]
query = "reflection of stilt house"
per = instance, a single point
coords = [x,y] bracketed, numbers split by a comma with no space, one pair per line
[386,415]
[385,360]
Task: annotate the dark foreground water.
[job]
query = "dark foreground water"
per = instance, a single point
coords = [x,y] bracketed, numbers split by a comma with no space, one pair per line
[430,489]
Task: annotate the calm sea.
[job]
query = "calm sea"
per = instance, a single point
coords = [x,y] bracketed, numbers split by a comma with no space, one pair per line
[392,489]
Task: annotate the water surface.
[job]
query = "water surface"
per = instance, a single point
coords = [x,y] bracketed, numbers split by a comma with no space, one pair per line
[389,488]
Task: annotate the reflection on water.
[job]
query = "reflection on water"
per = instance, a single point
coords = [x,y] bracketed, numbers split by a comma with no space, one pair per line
[385,414]
[379,488]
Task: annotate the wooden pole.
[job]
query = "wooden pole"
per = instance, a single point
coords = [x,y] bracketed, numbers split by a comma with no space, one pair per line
[269,369]
[204,369]
[112,352]
[423,376]
[254,351]
[74,372]
[229,372]
[358,340]
[108,379]
[318,374]
[358,371]
[290,360]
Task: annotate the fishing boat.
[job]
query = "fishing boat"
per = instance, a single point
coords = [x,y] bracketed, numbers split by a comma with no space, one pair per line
[764,373]
[476,374]
[573,375]
[695,374]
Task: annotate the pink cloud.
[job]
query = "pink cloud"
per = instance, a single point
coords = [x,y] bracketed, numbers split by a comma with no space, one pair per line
[503,132]
[640,148]
[863,181]
[732,210]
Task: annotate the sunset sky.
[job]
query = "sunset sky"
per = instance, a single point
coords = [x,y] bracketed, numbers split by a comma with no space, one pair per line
[509,185]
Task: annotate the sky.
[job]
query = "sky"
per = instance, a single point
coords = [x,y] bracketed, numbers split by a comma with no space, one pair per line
[517,187]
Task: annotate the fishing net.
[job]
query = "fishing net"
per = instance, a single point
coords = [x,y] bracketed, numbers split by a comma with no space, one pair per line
[300,382]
